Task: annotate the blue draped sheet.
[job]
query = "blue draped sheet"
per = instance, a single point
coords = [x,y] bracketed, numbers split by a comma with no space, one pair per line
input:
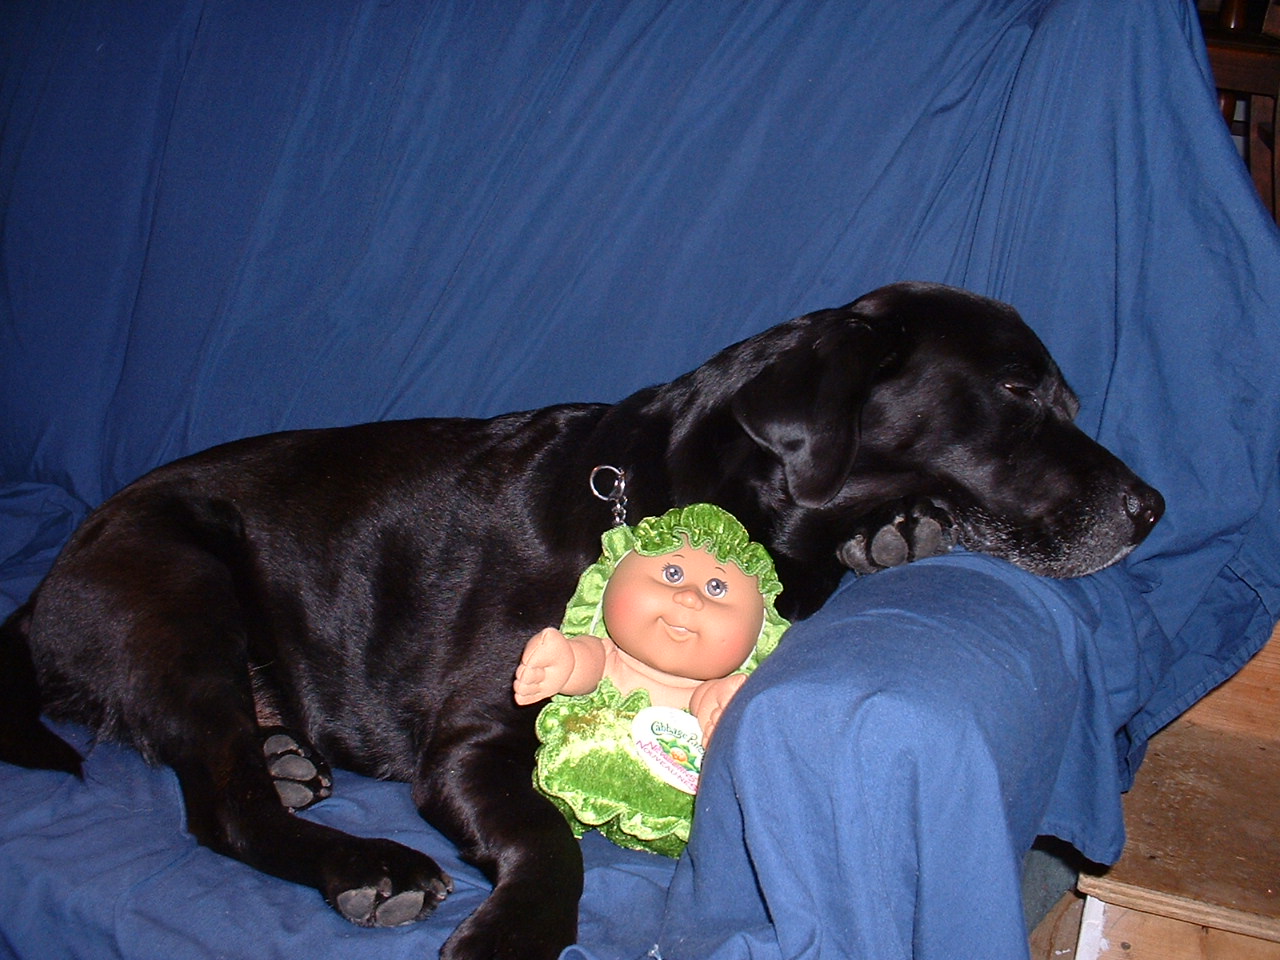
[226,218]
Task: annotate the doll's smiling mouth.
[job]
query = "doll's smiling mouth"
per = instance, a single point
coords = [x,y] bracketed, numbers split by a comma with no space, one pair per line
[677,632]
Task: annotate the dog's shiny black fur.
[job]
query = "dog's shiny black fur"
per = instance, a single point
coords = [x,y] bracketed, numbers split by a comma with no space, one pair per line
[370,588]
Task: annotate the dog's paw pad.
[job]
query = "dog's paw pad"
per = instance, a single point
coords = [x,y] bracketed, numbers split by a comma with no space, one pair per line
[296,796]
[371,907]
[301,775]
[931,539]
[402,908]
[889,547]
[290,766]
[377,906]
[897,533]
[357,905]
[853,554]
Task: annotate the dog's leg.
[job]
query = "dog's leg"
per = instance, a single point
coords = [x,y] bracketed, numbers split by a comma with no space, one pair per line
[233,808]
[234,801]
[168,658]
[301,774]
[479,791]
[24,739]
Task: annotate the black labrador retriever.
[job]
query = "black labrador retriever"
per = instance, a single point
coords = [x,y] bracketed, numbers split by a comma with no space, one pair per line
[363,593]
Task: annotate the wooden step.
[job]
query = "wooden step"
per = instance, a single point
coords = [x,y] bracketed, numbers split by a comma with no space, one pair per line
[1203,833]
[1109,932]
[1203,822]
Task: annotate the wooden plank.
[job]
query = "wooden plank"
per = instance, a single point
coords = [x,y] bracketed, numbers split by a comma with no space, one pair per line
[1248,703]
[1200,874]
[1055,937]
[1125,934]
[1248,64]
[1203,826]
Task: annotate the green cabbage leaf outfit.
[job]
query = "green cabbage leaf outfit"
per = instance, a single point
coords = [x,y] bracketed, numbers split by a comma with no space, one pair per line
[590,762]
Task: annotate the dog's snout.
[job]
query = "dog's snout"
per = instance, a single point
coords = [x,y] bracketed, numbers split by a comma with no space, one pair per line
[1144,506]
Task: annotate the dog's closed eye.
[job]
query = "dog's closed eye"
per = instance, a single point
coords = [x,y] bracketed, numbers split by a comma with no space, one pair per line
[1022,391]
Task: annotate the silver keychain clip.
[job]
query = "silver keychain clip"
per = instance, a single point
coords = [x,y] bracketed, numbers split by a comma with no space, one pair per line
[617,495]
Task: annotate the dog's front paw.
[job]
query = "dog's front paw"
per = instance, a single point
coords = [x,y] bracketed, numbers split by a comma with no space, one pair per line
[301,776]
[388,885]
[911,530]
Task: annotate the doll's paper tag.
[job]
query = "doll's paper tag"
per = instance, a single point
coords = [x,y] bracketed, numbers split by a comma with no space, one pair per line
[670,743]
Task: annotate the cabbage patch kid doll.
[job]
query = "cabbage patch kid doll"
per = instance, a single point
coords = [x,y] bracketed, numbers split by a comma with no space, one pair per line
[660,634]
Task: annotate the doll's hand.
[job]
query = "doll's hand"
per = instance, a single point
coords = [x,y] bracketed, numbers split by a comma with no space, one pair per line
[544,667]
[709,700]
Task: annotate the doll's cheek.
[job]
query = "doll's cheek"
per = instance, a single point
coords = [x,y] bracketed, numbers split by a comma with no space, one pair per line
[739,636]
[622,613]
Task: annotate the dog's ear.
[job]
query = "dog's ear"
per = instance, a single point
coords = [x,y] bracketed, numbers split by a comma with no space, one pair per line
[805,406]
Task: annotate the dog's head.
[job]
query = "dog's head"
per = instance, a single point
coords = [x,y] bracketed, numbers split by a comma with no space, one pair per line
[923,392]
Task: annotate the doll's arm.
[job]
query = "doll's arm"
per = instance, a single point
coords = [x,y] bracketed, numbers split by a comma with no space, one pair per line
[553,663]
[710,698]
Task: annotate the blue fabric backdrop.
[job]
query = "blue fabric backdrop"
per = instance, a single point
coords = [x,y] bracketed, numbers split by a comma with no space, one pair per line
[222,218]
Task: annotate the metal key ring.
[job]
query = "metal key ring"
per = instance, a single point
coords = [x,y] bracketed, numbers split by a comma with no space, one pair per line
[616,496]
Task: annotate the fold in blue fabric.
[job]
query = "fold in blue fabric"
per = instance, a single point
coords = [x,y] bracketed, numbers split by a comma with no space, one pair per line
[907,685]
[225,218]
[38,520]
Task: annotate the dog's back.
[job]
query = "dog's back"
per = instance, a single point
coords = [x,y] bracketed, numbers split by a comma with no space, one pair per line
[286,553]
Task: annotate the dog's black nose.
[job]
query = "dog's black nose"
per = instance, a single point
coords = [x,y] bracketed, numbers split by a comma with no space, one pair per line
[1145,506]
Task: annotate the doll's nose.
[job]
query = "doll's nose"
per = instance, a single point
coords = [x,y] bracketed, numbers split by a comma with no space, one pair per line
[688,598]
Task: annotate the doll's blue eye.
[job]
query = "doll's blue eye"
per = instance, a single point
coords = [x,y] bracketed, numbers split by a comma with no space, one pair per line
[672,573]
[716,587]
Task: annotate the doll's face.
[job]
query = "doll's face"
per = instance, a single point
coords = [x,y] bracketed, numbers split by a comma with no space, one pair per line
[684,613]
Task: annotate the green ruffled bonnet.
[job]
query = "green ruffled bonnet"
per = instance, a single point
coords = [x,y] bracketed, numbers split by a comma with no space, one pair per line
[588,763]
